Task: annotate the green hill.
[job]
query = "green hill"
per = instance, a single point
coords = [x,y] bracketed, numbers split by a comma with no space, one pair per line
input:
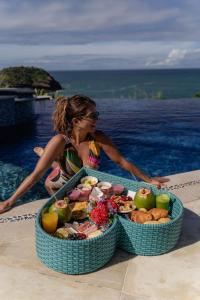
[30,77]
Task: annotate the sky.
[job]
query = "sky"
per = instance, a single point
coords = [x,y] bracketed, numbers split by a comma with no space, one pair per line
[100,34]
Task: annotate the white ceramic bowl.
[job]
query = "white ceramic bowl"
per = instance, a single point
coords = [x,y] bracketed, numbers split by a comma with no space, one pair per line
[89,180]
[105,186]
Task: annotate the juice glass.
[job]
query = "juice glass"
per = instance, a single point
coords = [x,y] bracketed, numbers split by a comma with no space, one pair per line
[50,222]
[162,201]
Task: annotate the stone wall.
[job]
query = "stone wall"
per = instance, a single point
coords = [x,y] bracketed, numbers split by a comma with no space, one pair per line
[7,111]
[24,110]
[16,106]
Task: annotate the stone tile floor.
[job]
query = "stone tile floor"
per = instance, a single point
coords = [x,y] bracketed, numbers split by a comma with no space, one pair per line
[172,276]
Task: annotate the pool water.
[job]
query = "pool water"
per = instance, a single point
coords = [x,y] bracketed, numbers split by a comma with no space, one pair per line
[161,137]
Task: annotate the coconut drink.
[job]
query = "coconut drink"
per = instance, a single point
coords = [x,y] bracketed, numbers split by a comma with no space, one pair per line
[144,198]
[63,211]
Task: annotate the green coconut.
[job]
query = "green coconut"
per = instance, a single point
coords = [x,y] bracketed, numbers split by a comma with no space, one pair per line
[63,211]
[144,198]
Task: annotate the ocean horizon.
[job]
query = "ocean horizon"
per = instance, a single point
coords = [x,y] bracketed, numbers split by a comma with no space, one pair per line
[131,84]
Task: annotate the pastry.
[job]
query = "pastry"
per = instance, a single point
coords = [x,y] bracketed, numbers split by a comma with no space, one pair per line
[79,210]
[62,233]
[141,217]
[158,213]
[151,222]
[143,209]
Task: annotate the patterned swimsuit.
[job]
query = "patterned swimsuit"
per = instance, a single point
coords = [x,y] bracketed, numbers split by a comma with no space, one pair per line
[71,163]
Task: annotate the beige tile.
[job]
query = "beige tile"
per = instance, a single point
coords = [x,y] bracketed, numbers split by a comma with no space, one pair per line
[184,177]
[137,297]
[182,189]
[21,253]
[31,207]
[14,231]
[187,194]
[173,276]
[20,284]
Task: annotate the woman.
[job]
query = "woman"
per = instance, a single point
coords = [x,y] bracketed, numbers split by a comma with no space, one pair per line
[77,144]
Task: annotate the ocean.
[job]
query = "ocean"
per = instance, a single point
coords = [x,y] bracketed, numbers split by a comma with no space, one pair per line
[131,84]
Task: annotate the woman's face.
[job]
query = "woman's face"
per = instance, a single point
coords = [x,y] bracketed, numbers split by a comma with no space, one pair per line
[88,122]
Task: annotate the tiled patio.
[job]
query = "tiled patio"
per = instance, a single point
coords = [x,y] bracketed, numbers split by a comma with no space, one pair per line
[172,276]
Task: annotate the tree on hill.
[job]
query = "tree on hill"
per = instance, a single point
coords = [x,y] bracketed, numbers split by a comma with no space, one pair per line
[29,77]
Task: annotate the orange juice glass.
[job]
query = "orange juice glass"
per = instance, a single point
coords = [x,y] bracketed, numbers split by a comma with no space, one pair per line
[50,222]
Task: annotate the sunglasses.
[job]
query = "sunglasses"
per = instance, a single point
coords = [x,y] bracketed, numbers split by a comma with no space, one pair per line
[93,115]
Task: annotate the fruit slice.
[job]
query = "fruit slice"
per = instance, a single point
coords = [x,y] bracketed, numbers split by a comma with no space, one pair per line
[90,180]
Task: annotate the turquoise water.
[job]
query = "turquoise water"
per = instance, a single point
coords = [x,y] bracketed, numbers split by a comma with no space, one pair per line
[131,84]
[161,137]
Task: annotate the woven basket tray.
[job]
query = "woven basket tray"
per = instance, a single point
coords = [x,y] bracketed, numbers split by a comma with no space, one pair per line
[83,256]
[79,256]
[152,239]
[76,257]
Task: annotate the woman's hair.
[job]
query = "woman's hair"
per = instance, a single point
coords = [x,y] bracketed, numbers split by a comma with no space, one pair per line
[68,108]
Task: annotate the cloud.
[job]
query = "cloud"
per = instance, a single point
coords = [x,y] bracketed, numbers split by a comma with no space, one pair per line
[106,55]
[77,34]
[178,58]
[79,15]
[76,21]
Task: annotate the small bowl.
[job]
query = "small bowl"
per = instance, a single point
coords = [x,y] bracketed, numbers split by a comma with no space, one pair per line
[74,195]
[105,187]
[89,180]
[118,189]
[84,189]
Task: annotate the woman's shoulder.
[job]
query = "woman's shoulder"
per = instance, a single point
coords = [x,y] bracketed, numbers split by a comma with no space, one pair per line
[58,139]
[100,136]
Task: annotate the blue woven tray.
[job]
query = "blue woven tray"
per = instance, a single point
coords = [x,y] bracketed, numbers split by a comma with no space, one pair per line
[78,257]
[69,256]
[152,239]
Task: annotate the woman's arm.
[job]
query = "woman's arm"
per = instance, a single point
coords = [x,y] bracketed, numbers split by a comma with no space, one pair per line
[53,149]
[113,153]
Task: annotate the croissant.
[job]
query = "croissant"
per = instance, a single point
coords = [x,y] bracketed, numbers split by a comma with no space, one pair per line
[164,220]
[140,216]
[151,222]
[158,213]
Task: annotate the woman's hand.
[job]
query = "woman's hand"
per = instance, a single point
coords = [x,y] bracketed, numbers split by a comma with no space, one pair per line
[159,181]
[6,205]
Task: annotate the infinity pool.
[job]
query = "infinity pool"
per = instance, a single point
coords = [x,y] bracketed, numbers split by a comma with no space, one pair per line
[161,137]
